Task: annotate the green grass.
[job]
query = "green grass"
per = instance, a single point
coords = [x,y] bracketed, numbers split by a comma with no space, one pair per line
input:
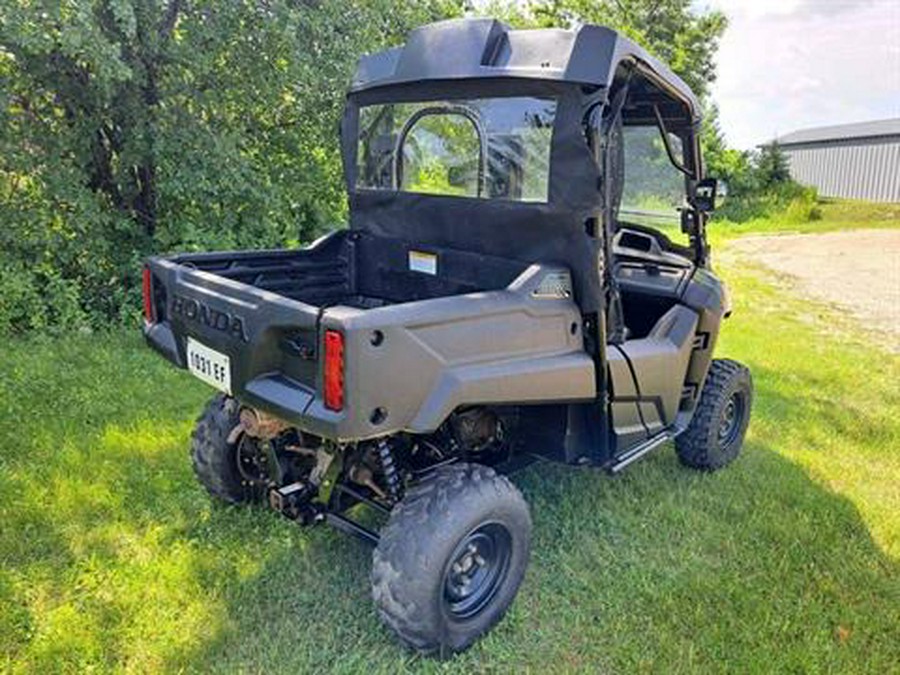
[787,561]
[834,215]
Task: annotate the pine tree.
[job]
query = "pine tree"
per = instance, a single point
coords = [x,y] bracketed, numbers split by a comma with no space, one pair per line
[772,166]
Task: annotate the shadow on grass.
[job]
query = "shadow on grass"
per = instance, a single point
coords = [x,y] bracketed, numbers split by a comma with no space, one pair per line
[820,411]
[757,568]
[114,558]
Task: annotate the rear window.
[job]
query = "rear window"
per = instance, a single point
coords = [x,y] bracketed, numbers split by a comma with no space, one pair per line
[490,148]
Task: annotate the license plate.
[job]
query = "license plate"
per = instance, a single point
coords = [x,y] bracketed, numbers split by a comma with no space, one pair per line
[209,365]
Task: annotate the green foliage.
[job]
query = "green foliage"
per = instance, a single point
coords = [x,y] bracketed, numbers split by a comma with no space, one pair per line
[790,202]
[772,166]
[759,183]
[129,127]
[674,31]
[760,186]
[431,176]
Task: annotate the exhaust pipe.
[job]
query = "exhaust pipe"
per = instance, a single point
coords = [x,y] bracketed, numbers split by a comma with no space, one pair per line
[259,425]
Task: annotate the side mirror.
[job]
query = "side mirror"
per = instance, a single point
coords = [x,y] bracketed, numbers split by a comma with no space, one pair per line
[709,194]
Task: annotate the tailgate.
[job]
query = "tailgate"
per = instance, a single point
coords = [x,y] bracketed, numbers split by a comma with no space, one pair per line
[271,341]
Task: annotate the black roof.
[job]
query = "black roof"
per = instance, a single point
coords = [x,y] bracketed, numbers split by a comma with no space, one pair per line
[467,49]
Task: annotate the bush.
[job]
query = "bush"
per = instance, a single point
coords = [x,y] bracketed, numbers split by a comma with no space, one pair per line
[789,201]
[38,299]
[804,207]
[21,304]
[760,186]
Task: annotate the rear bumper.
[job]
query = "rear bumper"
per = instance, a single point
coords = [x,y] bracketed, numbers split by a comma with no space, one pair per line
[273,392]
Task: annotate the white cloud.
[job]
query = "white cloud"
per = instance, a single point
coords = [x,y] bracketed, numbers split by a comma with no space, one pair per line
[790,64]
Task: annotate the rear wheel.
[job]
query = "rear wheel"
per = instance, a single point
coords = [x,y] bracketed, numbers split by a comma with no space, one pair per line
[451,558]
[716,432]
[226,470]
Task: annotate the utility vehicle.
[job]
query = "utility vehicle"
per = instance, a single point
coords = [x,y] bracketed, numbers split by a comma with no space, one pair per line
[501,295]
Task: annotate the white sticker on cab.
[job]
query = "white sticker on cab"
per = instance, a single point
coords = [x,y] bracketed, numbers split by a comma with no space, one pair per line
[419,261]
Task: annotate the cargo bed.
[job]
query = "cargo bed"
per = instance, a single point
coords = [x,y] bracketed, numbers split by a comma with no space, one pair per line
[351,268]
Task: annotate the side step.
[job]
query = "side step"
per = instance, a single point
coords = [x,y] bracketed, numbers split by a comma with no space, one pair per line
[639,451]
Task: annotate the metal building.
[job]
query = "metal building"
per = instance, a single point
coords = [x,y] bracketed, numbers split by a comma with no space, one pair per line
[855,161]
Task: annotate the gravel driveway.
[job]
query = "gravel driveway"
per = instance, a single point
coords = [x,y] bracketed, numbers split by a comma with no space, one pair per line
[858,270]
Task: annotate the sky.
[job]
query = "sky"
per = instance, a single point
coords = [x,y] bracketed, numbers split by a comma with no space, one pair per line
[785,65]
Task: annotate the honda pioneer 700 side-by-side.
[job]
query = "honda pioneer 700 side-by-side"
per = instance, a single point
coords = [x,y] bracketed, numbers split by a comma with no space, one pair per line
[501,296]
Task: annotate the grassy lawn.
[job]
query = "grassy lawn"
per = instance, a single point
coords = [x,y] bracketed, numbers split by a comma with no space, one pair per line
[834,215]
[788,561]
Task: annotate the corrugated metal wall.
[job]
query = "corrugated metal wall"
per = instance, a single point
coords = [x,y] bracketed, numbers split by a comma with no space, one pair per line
[861,168]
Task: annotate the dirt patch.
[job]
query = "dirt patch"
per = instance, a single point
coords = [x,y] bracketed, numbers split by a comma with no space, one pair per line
[858,271]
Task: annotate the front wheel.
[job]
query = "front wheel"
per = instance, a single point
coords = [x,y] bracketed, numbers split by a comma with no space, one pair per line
[716,432]
[451,558]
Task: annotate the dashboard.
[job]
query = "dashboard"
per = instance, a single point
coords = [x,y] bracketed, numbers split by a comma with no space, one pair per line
[644,266]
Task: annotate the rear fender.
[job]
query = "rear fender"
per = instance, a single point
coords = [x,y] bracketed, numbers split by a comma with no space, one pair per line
[415,363]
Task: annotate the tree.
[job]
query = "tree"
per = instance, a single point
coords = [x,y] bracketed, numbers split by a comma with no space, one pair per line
[772,166]
[735,167]
[136,126]
[685,39]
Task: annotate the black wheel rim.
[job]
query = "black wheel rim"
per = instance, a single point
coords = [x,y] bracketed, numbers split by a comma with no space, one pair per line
[732,420]
[250,459]
[478,567]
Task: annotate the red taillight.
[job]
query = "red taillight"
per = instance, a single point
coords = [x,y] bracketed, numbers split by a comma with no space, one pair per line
[148,295]
[333,381]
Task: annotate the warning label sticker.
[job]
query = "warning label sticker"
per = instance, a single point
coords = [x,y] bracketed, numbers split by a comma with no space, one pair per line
[419,261]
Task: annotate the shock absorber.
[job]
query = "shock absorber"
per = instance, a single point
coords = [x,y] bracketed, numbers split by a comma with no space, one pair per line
[391,474]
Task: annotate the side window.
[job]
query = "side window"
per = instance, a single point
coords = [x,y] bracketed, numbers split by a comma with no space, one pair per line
[654,189]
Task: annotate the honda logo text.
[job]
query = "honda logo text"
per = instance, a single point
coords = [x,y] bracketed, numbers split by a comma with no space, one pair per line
[194,310]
